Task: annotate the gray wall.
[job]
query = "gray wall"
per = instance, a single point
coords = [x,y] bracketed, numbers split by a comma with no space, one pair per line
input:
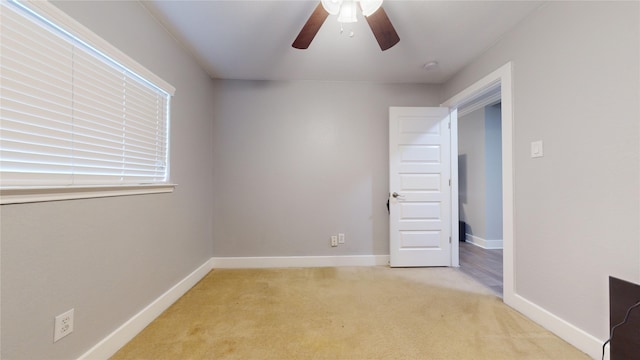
[296,162]
[121,253]
[576,87]
[493,171]
[472,174]
[480,172]
[307,160]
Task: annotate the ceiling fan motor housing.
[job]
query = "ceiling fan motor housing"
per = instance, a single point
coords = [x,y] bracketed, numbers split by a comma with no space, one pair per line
[338,7]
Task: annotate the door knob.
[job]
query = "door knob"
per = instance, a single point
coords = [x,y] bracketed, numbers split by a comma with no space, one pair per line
[396,195]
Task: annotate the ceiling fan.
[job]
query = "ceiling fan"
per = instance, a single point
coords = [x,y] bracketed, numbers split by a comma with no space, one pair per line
[377,19]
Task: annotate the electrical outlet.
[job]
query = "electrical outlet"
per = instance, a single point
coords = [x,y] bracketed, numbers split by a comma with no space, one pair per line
[340,238]
[63,325]
[334,241]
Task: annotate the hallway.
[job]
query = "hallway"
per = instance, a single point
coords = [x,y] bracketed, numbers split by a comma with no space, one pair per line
[483,265]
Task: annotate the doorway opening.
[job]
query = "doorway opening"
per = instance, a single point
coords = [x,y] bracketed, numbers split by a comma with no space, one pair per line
[498,82]
[480,190]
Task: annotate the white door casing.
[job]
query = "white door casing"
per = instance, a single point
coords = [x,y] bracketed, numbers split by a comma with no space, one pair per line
[501,77]
[420,190]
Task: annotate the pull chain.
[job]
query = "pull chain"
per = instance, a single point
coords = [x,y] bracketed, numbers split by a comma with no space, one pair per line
[351,33]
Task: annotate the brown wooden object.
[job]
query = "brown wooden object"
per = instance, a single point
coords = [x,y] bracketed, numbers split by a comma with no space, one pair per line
[310,28]
[382,28]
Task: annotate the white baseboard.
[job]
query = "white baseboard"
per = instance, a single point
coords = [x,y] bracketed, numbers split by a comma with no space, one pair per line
[118,338]
[122,335]
[298,261]
[485,244]
[570,333]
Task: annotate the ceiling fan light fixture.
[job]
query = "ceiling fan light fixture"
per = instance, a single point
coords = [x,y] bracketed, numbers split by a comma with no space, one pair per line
[370,6]
[348,12]
[374,14]
[332,6]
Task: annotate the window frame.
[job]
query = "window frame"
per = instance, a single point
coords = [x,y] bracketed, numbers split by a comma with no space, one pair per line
[28,194]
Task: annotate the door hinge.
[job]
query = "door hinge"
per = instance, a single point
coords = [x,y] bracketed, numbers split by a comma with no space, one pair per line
[449,239]
[449,182]
[449,124]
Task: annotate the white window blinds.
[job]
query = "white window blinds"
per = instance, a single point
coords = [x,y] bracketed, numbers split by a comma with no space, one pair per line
[72,116]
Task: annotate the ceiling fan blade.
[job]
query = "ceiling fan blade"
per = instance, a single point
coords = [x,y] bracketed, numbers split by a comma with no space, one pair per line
[310,29]
[383,29]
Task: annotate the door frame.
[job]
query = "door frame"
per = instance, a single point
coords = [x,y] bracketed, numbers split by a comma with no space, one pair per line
[499,78]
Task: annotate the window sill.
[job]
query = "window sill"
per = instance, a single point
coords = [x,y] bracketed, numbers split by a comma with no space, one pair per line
[42,194]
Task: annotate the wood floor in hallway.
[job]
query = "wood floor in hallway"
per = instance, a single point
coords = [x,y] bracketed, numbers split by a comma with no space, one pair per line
[483,265]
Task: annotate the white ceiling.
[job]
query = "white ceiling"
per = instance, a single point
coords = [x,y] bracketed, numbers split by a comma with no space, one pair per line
[252,39]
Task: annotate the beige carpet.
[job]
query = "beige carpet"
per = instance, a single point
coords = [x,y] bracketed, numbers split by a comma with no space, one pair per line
[343,313]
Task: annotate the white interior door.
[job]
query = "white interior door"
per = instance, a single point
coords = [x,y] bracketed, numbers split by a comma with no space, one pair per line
[420,189]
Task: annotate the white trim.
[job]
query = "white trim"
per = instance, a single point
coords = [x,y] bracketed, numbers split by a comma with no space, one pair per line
[491,98]
[480,88]
[575,336]
[127,331]
[483,243]
[298,261]
[42,194]
[453,191]
[58,16]
[498,78]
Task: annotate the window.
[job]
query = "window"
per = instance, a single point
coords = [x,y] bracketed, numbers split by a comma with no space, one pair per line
[75,112]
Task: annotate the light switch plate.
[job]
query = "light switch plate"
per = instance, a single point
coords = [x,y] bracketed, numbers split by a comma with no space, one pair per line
[536,149]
